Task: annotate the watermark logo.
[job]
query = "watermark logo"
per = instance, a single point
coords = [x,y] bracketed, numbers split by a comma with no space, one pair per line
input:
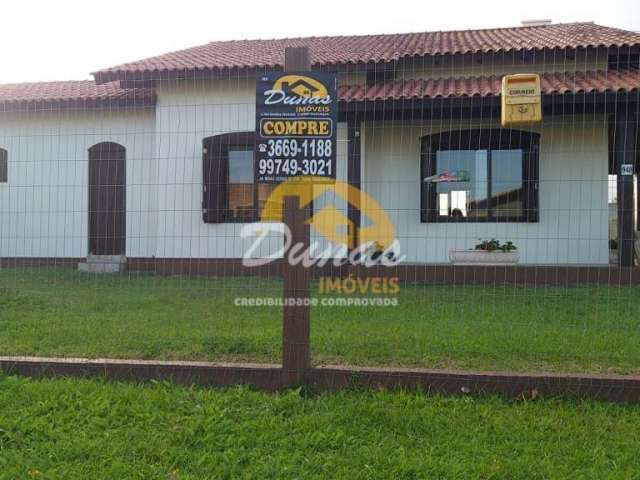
[376,243]
[297,90]
[359,285]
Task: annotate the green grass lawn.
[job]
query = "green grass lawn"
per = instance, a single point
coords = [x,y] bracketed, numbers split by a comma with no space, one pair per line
[61,312]
[79,429]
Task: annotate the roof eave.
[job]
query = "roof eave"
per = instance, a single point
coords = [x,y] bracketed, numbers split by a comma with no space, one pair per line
[80,104]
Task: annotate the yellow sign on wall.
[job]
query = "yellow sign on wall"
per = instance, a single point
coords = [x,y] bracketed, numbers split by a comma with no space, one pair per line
[521,100]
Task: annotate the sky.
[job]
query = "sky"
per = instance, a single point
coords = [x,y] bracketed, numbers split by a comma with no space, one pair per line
[67,40]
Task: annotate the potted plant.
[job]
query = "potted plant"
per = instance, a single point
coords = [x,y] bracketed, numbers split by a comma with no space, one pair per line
[487,252]
[379,251]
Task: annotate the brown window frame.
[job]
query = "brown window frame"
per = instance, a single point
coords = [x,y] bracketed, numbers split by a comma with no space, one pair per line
[215,185]
[4,165]
[480,139]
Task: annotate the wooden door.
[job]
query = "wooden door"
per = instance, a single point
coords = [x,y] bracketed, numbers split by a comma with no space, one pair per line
[107,215]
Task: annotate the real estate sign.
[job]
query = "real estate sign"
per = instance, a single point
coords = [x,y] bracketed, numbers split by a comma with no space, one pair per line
[296,121]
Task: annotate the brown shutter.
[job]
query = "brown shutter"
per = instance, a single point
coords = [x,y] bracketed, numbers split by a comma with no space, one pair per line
[215,178]
[4,166]
[531,174]
[427,191]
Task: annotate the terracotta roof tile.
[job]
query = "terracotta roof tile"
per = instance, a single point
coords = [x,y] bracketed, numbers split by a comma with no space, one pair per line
[369,48]
[551,83]
[71,94]
[86,94]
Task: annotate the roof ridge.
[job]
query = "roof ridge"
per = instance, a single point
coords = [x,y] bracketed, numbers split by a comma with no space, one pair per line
[369,48]
[356,36]
[43,82]
[415,32]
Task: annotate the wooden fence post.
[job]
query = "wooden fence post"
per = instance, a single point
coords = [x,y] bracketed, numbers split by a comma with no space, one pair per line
[296,357]
[625,140]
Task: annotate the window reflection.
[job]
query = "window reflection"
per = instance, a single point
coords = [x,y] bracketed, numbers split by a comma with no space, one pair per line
[476,184]
[241,184]
[506,183]
[461,183]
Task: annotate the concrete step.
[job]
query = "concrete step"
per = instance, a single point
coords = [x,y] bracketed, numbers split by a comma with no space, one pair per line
[104,264]
[101,267]
[91,258]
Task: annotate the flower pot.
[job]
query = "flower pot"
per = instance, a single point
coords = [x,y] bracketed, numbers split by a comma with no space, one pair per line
[483,257]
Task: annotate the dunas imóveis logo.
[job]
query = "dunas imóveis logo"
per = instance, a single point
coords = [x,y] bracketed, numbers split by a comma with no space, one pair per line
[297,90]
[329,221]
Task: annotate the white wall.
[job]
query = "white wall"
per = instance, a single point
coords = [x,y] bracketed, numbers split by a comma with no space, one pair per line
[186,113]
[43,207]
[572,196]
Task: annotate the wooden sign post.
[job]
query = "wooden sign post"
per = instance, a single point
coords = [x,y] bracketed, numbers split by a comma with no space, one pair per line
[296,328]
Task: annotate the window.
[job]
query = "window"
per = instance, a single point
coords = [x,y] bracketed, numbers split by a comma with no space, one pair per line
[480,176]
[229,192]
[4,166]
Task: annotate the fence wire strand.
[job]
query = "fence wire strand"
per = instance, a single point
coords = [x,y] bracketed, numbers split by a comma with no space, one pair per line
[122,216]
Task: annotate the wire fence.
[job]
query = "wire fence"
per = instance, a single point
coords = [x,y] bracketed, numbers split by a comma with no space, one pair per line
[133,223]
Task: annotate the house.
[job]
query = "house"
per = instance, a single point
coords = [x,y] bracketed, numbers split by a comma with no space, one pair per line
[412,106]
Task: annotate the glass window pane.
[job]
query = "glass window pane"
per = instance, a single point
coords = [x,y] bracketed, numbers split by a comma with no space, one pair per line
[240,166]
[241,184]
[507,193]
[461,183]
[443,204]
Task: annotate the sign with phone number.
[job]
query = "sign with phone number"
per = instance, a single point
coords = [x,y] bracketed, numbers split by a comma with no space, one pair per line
[296,118]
